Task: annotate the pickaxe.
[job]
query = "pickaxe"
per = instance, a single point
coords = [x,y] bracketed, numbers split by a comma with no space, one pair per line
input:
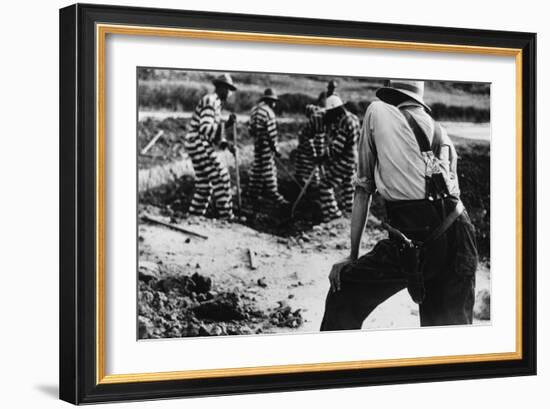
[290,175]
[306,185]
[303,191]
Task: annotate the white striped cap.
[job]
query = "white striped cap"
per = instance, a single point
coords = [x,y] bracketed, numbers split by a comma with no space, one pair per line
[332,102]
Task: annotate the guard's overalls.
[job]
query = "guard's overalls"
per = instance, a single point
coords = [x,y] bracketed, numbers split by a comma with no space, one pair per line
[449,278]
[447,264]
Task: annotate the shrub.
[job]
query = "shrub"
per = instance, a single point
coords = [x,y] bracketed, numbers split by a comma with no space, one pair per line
[459,113]
[294,103]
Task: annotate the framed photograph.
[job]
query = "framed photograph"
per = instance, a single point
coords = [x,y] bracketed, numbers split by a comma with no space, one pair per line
[257,203]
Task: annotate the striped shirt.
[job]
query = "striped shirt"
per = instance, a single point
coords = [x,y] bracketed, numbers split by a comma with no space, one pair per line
[316,124]
[206,118]
[312,138]
[390,160]
[263,127]
[343,141]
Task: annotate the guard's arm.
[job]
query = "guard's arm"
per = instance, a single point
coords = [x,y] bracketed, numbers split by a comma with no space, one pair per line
[359,216]
[364,188]
[364,183]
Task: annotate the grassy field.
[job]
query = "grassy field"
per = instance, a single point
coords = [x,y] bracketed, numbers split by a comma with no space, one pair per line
[174,90]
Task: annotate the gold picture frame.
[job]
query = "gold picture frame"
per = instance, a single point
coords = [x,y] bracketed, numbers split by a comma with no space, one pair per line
[96,24]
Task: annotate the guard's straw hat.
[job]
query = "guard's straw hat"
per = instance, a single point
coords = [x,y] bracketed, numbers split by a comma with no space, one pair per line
[393,93]
[270,94]
[226,80]
[334,101]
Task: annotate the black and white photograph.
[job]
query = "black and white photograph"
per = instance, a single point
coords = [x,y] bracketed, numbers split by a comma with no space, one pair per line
[275,204]
[280,203]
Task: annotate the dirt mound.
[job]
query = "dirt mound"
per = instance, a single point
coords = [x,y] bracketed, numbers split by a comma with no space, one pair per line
[283,316]
[174,305]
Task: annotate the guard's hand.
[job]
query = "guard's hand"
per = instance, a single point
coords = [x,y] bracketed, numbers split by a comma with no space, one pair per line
[231,148]
[334,276]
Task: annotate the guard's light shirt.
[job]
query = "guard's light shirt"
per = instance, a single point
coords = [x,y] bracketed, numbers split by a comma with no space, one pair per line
[389,158]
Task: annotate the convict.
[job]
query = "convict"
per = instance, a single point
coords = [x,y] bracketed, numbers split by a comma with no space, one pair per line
[339,161]
[203,136]
[311,142]
[263,130]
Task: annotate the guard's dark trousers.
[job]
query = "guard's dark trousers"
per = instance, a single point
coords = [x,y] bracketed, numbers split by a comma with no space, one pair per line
[450,265]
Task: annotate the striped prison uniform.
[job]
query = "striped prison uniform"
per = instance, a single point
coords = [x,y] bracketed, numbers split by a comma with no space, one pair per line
[340,167]
[211,176]
[263,175]
[311,144]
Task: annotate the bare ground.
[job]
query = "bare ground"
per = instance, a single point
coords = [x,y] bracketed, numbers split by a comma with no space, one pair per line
[285,292]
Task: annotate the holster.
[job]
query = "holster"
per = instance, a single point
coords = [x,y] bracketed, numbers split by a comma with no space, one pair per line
[419,228]
[410,260]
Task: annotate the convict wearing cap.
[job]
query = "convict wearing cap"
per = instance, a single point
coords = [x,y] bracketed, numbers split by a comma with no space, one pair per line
[204,134]
[410,161]
[263,130]
[339,161]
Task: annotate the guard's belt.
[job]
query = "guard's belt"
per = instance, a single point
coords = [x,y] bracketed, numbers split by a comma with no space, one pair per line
[436,233]
[447,222]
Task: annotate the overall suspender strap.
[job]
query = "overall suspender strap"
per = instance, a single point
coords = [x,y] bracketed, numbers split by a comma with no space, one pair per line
[421,138]
[445,224]
[435,184]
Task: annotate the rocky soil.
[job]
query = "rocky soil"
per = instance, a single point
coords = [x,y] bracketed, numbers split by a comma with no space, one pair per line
[190,286]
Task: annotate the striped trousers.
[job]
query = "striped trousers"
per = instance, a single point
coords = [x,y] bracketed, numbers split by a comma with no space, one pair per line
[211,179]
[263,176]
[336,176]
